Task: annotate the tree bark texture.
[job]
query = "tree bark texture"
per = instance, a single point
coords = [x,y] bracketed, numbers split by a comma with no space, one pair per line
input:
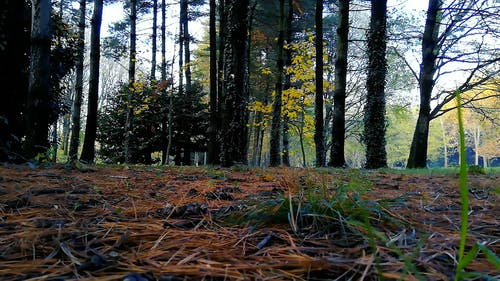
[234,132]
[186,38]
[77,100]
[374,121]
[274,142]
[418,149]
[319,139]
[88,150]
[212,144]
[288,84]
[337,157]
[153,40]
[163,42]
[38,102]
[14,35]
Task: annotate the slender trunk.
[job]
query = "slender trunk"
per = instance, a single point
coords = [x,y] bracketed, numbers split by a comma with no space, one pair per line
[374,122]
[445,144]
[220,76]
[287,85]
[66,131]
[88,151]
[55,142]
[301,139]
[163,42]
[38,102]
[77,100]
[187,72]
[181,49]
[251,14]
[337,157]
[170,111]
[153,39]
[129,122]
[275,153]
[186,39]
[212,144]
[256,136]
[477,139]
[319,139]
[261,143]
[164,156]
[418,149]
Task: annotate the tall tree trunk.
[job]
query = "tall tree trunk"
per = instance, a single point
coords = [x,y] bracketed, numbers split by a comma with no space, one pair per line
[39,96]
[181,48]
[374,121]
[337,158]
[274,145]
[235,135]
[153,40]
[164,156]
[163,42]
[319,139]
[186,37]
[129,122]
[187,71]
[14,24]
[88,151]
[418,150]
[212,144]
[220,76]
[77,100]
[170,110]
[288,84]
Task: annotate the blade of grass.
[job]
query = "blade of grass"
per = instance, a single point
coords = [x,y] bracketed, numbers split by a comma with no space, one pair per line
[464,194]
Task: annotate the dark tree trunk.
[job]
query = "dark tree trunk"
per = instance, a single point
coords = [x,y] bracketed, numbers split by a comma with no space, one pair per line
[66,133]
[181,47]
[319,139]
[220,76]
[129,122]
[186,37]
[38,107]
[212,145]
[54,142]
[88,151]
[165,126]
[418,150]
[287,85]
[163,42]
[77,100]
[337,158]
[374,121]
[153,41]
[14,26]
[274,145]
[235,137]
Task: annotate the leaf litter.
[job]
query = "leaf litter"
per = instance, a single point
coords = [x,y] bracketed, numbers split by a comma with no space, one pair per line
[149,223]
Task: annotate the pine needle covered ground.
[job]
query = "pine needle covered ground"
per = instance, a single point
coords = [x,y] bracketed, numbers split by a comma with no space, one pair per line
[146,223]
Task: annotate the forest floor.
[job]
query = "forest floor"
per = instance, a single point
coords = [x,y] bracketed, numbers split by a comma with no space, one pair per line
[185,223]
